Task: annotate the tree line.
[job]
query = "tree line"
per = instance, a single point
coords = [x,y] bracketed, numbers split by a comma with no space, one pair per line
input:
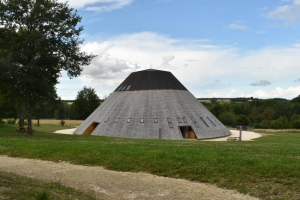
[259,113]
[54,108]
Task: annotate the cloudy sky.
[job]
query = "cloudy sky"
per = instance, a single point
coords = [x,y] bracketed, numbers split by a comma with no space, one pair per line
[216,48]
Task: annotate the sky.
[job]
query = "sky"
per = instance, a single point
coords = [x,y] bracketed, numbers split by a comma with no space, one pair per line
[215,48]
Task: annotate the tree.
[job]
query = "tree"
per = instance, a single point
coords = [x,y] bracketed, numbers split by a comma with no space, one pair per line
[242,120]
[39,39]
[281,123]
[228,118]
[85,103]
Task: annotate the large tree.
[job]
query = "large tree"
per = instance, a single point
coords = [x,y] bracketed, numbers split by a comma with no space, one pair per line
[85,103]
[39,38]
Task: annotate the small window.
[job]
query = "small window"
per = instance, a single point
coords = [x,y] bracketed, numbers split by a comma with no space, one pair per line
[184,120]
[142,120]
[128,87]
[169,120]
[124,87]
[204,122]
[155,120]
[106,120]
[211,121]
[120,87]
[128,120]
[192,118]
[179,120]
[117,120]
[196,124]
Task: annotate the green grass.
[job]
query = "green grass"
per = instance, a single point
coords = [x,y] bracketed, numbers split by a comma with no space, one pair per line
[267,168]
[17,187]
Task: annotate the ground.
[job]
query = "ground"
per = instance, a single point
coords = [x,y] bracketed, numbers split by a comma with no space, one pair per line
[107,184]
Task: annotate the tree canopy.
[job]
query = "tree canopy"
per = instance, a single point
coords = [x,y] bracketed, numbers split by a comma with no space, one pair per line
[85,103]
[38,39]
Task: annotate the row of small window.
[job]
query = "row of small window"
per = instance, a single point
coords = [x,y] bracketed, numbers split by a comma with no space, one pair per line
[155,120]
[124,87]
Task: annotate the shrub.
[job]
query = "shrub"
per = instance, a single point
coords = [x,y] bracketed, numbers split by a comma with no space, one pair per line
[227,118]
[62,122]
[280,123]
[295,124]
[242,120]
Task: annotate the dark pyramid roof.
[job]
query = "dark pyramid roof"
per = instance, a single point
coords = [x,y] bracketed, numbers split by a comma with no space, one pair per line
[150,79]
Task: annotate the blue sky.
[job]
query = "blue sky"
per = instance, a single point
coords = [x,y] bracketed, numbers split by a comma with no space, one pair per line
[216,48]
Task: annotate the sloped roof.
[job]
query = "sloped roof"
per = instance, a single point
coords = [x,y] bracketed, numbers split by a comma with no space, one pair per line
[150,79]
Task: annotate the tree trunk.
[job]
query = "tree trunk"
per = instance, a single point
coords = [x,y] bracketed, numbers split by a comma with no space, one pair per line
[20,111]
[29,117]
[38,122]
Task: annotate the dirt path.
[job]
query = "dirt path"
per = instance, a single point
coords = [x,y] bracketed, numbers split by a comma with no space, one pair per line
[106,184]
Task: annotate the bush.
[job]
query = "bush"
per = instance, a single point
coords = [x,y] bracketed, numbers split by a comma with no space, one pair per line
[227,118]
[62,122]
[281,123]
[11,121]
[295,124]
[242,120]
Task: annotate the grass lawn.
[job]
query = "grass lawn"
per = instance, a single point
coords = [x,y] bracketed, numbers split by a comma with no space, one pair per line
[268,168]
[18,187]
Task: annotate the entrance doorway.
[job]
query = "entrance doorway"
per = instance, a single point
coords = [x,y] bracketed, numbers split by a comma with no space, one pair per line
[91,128]
[187,132]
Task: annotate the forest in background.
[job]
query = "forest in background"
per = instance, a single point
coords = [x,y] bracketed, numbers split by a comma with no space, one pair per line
[274,113]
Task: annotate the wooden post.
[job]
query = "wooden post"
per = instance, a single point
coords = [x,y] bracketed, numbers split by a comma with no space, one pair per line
[241,127]
[160,133]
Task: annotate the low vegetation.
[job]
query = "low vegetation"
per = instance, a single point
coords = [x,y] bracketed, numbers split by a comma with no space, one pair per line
[267,168]
[17,187]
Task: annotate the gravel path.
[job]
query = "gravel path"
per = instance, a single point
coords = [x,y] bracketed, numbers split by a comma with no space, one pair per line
[107,184]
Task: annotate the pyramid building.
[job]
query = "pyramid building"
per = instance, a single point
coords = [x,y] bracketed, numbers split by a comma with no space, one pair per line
[152,104]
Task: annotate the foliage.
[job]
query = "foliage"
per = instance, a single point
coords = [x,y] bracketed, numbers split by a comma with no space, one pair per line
[38,40]
[245,162]
[295,124]
[85,103]
[62,122]
[261,113]
[242,120]
[281,123]
[228,119]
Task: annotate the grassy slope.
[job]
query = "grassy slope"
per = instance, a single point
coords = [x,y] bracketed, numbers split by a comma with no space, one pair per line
[267,168]
[18,187]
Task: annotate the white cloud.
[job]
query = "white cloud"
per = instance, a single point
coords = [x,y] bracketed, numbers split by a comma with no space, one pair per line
[166,61]
[279,92]
[288,93]
[289,13]
[237,26]
[99,5]
[196,65]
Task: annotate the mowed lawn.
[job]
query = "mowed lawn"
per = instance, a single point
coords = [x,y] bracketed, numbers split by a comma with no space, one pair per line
[267,168]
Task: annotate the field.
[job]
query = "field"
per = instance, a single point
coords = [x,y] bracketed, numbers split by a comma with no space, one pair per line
[267,168]
[57,122]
